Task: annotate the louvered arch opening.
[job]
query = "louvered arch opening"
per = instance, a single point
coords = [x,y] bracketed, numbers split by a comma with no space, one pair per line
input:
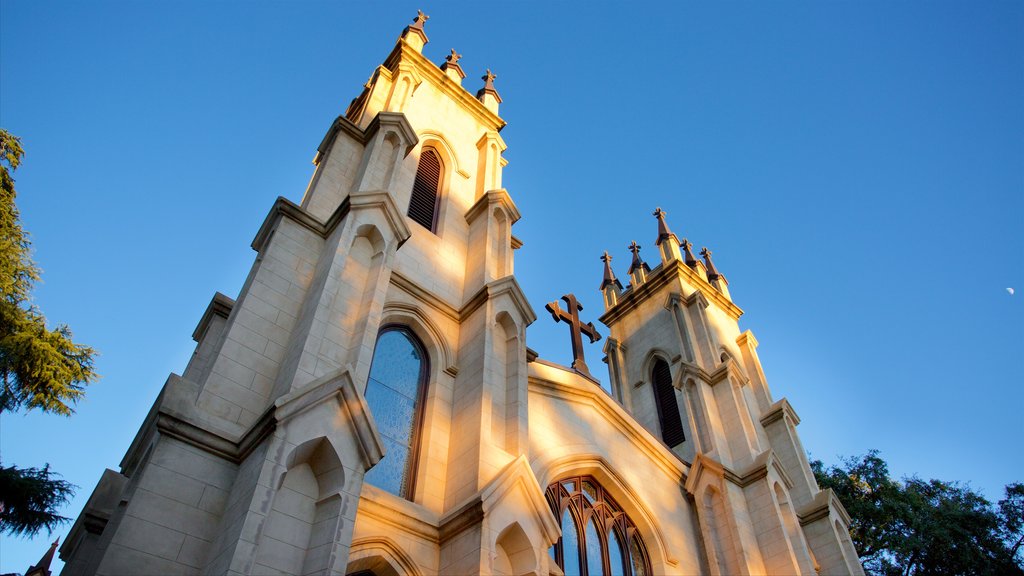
[426,190]
[668,408]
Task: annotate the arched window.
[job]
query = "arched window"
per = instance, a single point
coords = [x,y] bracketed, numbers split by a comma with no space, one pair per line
[668,408]
[395,393]
[426,190]
[598,539]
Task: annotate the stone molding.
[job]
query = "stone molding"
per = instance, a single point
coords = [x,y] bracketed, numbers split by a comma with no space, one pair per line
[340,386]
[423,295]
[340,124]
[821,506]
[705,464]
[382,200]
[285,208]
[662,275]
[395,120]
[220,305]
[780,408]
[386,549]
[519,474]
[610,410]
[507,285]
[404,53]
[447,357]
[499,196]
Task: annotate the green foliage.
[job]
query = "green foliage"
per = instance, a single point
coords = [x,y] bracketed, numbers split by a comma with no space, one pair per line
[918,527]
[30,498]
[39,368]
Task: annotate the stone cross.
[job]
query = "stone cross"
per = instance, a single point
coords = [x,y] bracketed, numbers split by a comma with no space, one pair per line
[576,328]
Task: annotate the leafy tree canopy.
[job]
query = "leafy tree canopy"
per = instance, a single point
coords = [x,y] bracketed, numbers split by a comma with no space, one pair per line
[918,527]
[40,368]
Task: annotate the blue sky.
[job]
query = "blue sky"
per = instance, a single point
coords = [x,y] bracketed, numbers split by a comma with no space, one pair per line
[857,168]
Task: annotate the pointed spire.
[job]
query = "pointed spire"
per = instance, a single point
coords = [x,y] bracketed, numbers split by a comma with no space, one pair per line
[637,261]
[609,276]
[414,33]
[713,273]
[663,232]
[452,68]
[488,88]
[688,256]
[43,567]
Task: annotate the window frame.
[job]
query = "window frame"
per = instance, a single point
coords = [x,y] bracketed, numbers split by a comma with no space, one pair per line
[608,516]
[423,381]
[436,214]
[662,419]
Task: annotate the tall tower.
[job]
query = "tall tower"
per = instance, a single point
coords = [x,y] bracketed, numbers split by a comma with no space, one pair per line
[681,367]
[252,461]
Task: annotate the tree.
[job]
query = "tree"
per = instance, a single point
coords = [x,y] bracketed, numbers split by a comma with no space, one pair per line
[40,368]
[918,527]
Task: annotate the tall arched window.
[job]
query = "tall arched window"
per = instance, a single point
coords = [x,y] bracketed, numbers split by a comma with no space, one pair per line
[668,408]
[426,190]
[395,393]
[598,539]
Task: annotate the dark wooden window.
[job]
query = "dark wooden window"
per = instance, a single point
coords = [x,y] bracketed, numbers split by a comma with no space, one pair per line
[668,408]
[395,395]
[598,538]
[426,190]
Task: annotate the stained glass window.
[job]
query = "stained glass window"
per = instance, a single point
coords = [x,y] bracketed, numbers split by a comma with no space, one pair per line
[394,394]
[600,549]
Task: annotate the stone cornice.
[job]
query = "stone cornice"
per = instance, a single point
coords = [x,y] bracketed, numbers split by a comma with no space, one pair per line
[399,122]
[746,339]
[285,208]
[340,386]
[821,506]
[220,305]
[519,474]
[727,369]
[590,395]
[758,470]
[399,513]
[499,196]
[404,53]
[340,124]
[382,200]
[507,285]
[423,295]
[660,277]
[780,408]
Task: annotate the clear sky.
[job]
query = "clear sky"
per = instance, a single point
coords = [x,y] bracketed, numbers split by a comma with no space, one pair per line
[857,168]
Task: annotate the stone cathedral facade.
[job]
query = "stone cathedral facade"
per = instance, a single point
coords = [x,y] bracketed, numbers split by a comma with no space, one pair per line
[368,404]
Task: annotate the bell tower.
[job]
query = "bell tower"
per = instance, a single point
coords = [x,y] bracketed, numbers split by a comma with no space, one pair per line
[380,327]
[679,364]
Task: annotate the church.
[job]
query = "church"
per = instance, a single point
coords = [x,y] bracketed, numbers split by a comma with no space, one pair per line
[368,405]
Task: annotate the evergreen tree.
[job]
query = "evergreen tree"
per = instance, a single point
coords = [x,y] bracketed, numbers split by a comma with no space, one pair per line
[40,368]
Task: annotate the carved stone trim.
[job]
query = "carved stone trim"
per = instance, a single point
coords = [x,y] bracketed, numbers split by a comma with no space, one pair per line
[659,277]
[499,196]
[285,208]
[780,408]
[220,305]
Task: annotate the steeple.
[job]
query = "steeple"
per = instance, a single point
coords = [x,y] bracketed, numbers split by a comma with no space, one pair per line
[42,568]
[488,95]
[610,286]
[688,256]
[716,278]
[414,34]
[638,269]
[451,67]
[667,242]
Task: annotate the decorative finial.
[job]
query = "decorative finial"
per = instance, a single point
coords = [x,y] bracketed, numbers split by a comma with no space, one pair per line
[688,256]
[419,20]
[713,273]
[417,28]
[663,232]
[451,62]
[637,261]
[609,276]
[488,88]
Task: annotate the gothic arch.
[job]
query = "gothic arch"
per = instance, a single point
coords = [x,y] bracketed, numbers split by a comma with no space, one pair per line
[589,462]
[382,556]
[436,345]
[437,141]
[515,554]
[652,356]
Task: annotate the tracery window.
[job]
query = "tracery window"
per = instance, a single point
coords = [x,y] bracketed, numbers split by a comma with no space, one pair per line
[394,393]
[668,408]
[608,544]
[426,190]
